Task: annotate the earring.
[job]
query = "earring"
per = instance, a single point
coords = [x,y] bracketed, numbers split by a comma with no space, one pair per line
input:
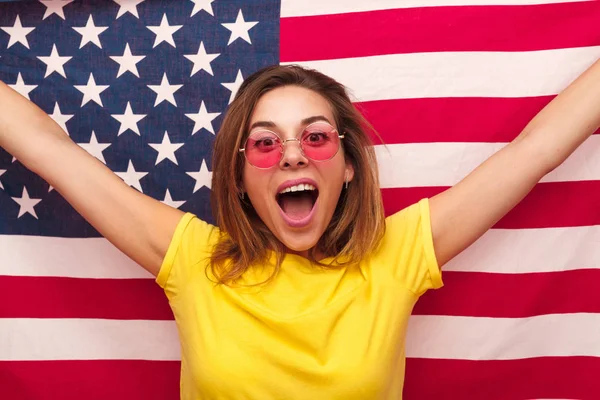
[346,184]
[243,195]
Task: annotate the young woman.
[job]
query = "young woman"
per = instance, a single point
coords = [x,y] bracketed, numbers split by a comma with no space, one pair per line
[304,289]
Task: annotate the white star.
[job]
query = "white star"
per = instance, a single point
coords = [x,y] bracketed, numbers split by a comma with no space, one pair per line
[166,149]
[240,28]
[91,91]
[234,86]
[54,62]
[170,202]
[18,33]
[26,203]
[201,60]
[2,171]
[132,177]
[60,118]
[129,6]
[205,5]
[203,119]
[21,87]
[90,32]
[127,62]
[202,177]
[128,120]
[55,7]
[164,32]
[165,91]
[95,148]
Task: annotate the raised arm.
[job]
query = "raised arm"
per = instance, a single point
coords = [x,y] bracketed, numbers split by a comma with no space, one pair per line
[461,214]
[136,224]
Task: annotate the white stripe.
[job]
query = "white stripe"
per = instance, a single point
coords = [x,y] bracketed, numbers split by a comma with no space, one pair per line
[66,257]
[514,251]
[303,8]
[510,251]
[87,339]
[445,164]
[465,338]
[459,74]
[469,338]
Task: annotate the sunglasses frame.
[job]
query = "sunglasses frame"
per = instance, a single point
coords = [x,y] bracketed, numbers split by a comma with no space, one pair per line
[284,141]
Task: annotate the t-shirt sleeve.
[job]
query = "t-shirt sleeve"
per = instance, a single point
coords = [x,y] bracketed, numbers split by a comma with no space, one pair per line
[187,255]
[408,247]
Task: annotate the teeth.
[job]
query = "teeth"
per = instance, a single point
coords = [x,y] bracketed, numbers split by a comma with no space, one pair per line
[298,188]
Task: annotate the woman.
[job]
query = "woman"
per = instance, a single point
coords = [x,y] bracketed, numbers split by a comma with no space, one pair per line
[304,290]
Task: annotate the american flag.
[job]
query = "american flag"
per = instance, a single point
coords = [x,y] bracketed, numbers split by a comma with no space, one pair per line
[143,86]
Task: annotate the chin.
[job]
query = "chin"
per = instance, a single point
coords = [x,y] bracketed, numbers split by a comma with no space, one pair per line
[299,242]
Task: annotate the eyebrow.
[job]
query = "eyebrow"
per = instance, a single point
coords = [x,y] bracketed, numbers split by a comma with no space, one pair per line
[305,121]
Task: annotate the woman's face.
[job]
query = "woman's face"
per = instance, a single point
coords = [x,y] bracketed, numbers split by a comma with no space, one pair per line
[299,218]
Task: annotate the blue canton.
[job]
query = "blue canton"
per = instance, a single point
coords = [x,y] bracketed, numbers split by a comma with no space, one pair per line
[141,85]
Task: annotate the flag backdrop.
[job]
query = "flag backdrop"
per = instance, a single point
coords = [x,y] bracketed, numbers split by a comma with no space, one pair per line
[143,85]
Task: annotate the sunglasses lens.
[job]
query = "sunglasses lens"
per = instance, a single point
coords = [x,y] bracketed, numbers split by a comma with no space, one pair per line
[320,141]
[263,149]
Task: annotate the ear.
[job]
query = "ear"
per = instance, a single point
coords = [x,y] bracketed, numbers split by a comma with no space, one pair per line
[349,172]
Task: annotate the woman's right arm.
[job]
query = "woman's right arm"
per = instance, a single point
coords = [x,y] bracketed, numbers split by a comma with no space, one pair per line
[138,225]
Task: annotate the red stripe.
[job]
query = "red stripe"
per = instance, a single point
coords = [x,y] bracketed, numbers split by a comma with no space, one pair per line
[90,380]
[463,119]
[536,378]
[513,295]
[552,204]
[433,29]
[547,377]
[51,297]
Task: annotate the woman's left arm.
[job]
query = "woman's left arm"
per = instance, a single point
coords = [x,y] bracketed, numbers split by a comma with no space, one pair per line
[461,214]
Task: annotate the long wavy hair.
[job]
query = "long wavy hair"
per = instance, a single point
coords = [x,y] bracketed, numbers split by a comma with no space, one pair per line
[357,225]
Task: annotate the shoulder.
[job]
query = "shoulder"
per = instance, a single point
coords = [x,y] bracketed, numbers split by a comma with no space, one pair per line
[406,251]
[410,224]
[191,247]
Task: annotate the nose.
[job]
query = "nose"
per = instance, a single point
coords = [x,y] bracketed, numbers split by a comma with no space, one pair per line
[292,155]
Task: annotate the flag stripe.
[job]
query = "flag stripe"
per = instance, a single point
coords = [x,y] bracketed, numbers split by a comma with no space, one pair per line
[418,164]
[451,119]
[66,257]
[477,338]
[575,290]
[503,295]
[524,251]
[465,338]
[534,378]
[88,339]
[293,8]
[558,204]
[547,377]
[439,29]
[459,74]
[90,380]
[49,297]
[508,251]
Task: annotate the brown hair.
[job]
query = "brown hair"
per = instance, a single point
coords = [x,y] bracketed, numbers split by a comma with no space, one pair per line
[357,225]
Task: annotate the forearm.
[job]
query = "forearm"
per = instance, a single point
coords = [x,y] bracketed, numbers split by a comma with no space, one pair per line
[568,120]
[26,131]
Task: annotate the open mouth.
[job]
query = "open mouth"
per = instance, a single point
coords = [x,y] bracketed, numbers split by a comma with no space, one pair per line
[297,201]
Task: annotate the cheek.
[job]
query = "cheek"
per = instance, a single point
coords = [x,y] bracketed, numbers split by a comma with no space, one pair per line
[333,170]
[256,181]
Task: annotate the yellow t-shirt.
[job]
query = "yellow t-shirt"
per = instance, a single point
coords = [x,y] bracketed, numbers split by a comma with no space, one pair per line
[312,333]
